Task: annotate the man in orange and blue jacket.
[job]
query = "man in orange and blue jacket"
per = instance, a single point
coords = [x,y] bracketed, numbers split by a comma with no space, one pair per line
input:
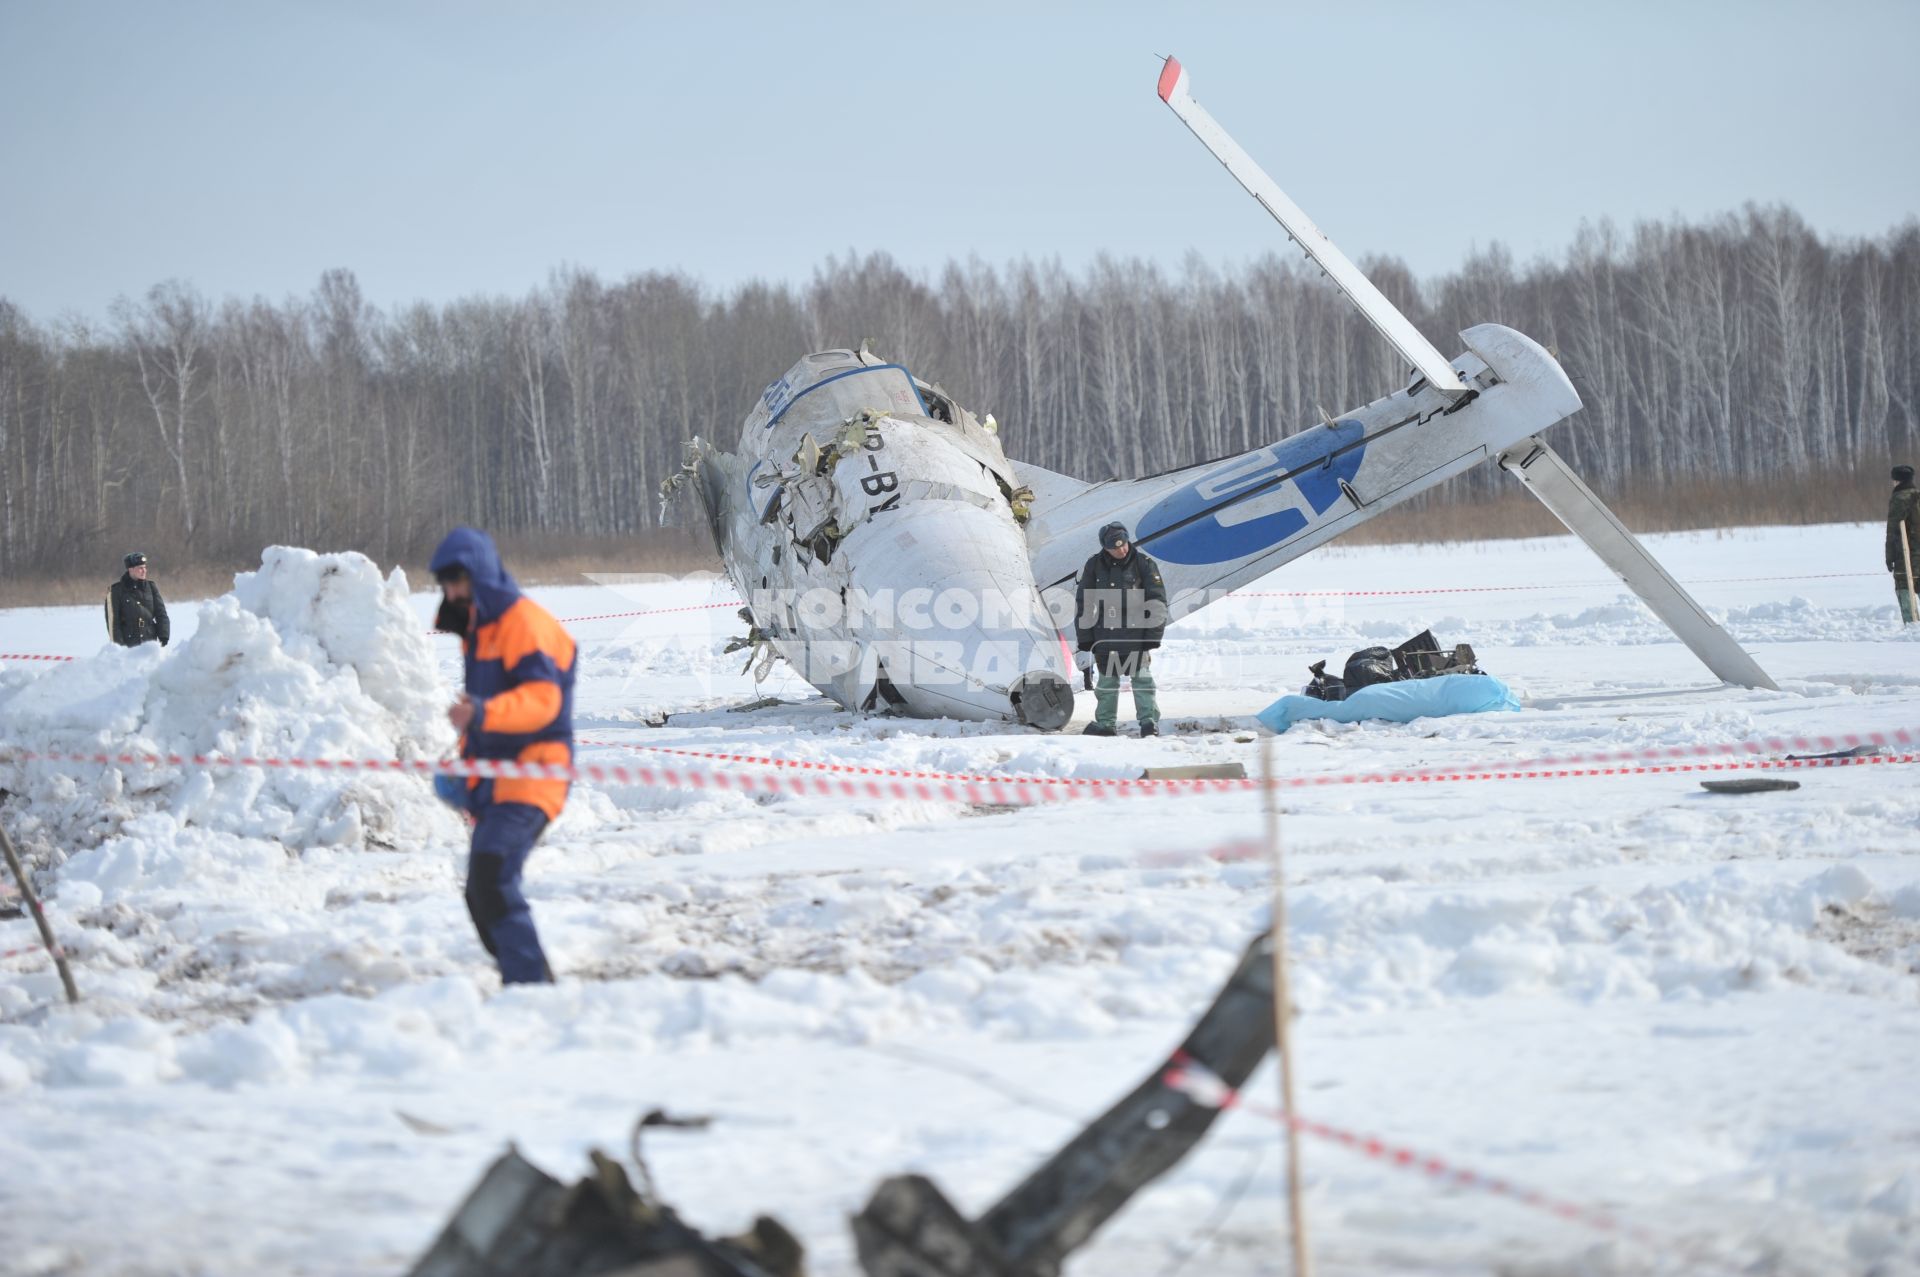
[518,705]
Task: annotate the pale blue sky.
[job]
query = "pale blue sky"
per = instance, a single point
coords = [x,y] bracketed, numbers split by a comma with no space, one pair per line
[442,149]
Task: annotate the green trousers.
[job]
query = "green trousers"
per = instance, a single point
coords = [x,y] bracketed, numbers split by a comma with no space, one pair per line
[1905,599]
[1106,696]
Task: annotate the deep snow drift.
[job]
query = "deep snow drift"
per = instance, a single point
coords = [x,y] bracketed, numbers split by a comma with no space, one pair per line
[1697,1012]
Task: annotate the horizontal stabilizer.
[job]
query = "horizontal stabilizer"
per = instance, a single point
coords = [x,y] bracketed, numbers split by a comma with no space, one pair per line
[1050,487]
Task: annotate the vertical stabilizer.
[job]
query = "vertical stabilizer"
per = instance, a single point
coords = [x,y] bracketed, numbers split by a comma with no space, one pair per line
[1547,476]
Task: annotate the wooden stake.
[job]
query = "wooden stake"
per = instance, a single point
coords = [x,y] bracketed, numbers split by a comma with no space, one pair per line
[1906,556]
[1283,1013]
[33,903]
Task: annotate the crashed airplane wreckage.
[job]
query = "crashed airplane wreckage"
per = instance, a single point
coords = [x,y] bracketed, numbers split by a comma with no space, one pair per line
[521,1222]
[858,494]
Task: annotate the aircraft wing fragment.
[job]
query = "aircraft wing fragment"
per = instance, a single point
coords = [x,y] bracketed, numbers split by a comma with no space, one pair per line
[909,1229]
[1548,477]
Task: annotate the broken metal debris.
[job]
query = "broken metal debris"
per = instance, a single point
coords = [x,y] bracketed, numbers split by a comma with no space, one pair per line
[1748,785]
[521,1222]
[1056,1209]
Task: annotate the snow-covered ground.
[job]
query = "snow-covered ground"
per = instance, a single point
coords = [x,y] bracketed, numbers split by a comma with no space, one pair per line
[1699,1012]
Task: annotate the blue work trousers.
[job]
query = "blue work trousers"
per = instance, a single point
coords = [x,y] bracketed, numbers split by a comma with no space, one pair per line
[503,837]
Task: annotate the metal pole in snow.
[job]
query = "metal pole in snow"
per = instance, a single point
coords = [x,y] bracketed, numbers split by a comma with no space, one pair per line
[33,903]
[1283,1014]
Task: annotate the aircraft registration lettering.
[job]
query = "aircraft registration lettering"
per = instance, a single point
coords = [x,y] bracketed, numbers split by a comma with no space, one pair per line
[880,481]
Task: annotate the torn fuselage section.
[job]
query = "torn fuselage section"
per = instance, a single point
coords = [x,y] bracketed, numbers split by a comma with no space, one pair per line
[876,530]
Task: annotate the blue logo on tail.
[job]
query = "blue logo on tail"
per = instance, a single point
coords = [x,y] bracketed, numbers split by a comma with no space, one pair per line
[1208,540]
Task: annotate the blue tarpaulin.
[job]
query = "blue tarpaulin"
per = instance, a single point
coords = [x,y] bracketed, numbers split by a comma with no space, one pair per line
[1397,702]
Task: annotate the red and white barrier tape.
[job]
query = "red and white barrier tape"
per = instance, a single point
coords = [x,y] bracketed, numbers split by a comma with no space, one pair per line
[1349,594]
[1237,594]
[56,952]
[928,786]
[1200,1084]
[569,620]
[1774,745]
[1782,745]
[615,616]
[1506,589]
[849,769]
[658,611]
[1352,594]
[1000,793]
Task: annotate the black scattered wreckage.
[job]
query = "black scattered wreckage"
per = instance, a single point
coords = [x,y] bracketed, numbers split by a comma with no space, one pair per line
[521,1222]
[1418,657]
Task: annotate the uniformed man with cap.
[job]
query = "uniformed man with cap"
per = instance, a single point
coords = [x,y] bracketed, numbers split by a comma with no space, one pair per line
[136,613]
[1120,612]
[1903,539]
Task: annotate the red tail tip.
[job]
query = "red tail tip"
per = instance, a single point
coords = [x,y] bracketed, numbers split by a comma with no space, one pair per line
[1169,76]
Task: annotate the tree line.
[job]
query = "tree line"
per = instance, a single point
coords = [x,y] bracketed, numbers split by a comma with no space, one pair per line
[1745,347]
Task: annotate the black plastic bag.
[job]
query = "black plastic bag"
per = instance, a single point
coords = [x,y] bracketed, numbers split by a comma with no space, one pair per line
[1368,666]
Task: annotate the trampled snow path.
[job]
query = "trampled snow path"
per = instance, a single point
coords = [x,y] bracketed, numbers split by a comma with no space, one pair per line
[1698,1012]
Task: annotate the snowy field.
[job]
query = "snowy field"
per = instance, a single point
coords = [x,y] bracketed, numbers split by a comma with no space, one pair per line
[1696,1011]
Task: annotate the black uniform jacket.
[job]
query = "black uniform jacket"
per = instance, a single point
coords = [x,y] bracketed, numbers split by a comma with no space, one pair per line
[136,613]
[1120,606]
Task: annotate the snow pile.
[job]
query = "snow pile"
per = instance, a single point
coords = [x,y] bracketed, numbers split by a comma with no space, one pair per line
[312,656]
[186,890]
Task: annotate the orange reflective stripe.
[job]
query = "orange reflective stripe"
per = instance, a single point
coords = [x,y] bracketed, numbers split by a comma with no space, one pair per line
[527,708]
[522,630]
[548,795]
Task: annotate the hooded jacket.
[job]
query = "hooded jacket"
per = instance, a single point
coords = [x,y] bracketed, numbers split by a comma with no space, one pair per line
[519,672]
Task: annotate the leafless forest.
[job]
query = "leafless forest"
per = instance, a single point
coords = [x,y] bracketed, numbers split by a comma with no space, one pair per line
[1746,351]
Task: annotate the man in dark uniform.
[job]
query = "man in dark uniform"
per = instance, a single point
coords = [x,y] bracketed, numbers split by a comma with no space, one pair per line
[136,613]
[1120,612]
[1903,539]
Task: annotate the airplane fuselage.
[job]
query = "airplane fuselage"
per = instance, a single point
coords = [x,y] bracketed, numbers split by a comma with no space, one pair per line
[870,523]
[891,552]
